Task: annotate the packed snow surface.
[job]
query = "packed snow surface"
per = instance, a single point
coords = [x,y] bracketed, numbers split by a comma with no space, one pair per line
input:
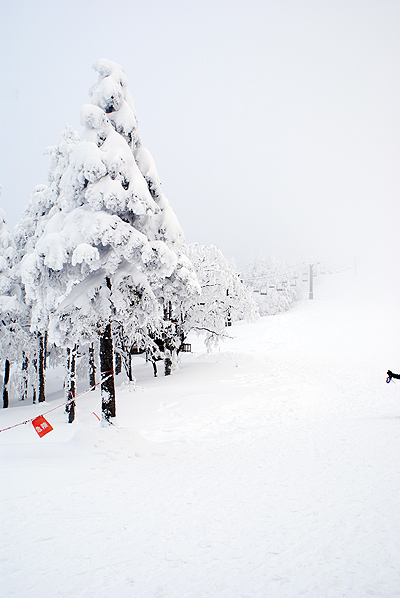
[268,469]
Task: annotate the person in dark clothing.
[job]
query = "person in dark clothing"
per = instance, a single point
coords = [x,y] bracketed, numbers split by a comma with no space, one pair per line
[391,375]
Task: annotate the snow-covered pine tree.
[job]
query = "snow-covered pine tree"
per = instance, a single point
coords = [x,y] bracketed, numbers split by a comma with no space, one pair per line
[134,330]
[176,292]
[93,248]
[45,197]
[41,207]
[162,338]
[12,309]
[224,298]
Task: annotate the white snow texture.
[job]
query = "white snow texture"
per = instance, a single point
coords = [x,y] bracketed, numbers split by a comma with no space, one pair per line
[269,469]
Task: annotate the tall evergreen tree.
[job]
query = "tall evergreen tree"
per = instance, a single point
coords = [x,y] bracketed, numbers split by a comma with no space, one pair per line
[43,204]
[12,310]
[161,337]
[94,250]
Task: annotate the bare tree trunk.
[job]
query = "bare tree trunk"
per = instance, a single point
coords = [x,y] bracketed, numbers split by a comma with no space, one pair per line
[41,367]
[6,380]
[70,407]
[34,391]
[107,366]
[45,349]
[154,363]
[118,363]
[167,363]
[92,368]
[24,369]
[129,368]
[66,380]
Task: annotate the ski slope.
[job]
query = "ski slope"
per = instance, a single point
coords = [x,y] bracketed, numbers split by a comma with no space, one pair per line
[268,469]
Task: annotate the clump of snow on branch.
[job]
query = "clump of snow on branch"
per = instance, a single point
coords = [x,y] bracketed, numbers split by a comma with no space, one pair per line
[111,94]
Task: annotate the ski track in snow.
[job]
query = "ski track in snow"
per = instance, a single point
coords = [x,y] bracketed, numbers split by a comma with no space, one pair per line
[269,469]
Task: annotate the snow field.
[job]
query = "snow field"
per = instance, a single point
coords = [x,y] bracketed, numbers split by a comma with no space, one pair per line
[269,469]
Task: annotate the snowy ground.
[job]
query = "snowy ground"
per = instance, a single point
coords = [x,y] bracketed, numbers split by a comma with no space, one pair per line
[269,469]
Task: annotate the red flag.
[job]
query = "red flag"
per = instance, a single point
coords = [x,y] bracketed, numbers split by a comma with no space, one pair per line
[41,425]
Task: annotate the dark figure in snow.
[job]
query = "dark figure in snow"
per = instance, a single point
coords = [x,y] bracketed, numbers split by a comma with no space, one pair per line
[391,375]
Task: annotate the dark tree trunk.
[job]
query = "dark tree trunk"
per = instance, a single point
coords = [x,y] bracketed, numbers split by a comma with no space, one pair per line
[167,365]
[128,368]
[41,367]
[154,368]
[130,373]
[66,380]
[92,368]
[24,368]
[70,407]
[168,311]
[34,390]
[118,363]
[45,349]
[6,380]
[107,366]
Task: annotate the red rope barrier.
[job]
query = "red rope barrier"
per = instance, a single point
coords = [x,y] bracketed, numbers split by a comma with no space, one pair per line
[28,421]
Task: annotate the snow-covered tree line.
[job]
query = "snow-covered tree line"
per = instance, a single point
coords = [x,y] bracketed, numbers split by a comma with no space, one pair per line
[98,263]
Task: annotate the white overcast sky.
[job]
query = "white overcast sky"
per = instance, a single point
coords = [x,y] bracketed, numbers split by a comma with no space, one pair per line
[274,124]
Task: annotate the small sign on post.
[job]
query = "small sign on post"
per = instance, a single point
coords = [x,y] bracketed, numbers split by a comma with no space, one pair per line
[41,425]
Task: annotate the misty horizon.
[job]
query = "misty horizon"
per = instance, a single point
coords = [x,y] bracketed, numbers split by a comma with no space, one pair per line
[274,129]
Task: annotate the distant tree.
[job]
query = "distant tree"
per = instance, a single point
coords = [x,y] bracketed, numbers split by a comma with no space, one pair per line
[224,299]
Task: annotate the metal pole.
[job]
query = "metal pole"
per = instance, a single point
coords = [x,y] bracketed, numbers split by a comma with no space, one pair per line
[311,283]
